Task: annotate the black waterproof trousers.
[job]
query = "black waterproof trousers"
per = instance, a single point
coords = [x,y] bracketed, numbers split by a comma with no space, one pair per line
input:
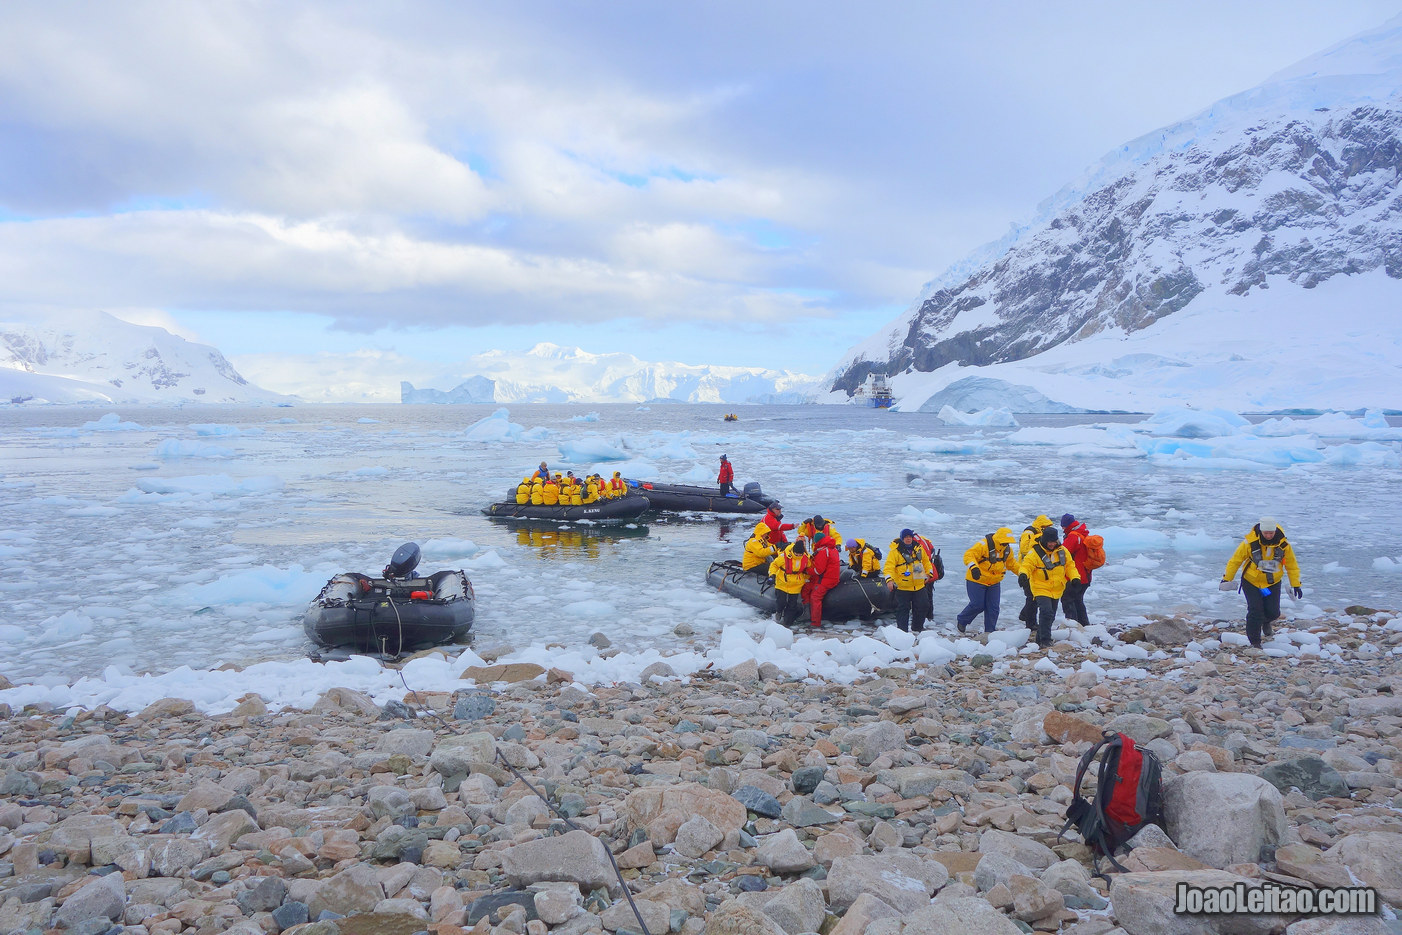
[905,603]
[791,606]
[1261,608]
[1073,603]
[1046,613]
[1028,614]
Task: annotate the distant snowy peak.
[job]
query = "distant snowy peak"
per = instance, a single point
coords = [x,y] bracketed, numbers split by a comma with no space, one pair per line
[94,357]
[1288,184]
[548,373]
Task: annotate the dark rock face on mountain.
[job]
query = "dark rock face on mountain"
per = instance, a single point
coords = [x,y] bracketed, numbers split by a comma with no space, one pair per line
[1284,202]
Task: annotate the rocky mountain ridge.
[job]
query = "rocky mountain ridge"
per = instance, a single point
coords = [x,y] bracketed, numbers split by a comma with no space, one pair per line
[1285,186]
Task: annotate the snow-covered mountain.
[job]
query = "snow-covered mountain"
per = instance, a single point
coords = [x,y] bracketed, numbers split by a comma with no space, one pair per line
[1249,256]
[548,373]
[93,357]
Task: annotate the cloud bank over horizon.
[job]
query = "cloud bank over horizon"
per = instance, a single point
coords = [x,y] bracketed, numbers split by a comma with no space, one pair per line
[623,177]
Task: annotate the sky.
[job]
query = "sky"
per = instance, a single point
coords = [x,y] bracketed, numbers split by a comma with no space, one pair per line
[389,188]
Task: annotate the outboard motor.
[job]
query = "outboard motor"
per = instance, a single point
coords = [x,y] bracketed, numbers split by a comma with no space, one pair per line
[403,562]
[752,492]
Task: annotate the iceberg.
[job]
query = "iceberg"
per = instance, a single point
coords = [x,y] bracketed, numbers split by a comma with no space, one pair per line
[472,390]
[496,427]
[995,417]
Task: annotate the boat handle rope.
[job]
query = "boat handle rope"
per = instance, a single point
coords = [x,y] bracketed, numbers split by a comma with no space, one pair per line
[496,753]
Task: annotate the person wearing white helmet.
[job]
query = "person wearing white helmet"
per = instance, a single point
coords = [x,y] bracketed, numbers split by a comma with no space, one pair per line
[1265,557]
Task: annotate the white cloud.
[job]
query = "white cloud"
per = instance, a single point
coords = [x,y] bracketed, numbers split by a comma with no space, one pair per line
[461,163]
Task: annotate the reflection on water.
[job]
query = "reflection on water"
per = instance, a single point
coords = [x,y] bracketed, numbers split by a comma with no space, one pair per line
[548,540]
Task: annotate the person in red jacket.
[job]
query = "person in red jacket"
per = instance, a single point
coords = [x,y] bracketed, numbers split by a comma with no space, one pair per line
[825,573]
[774,519]
[726,478]
[1073,537]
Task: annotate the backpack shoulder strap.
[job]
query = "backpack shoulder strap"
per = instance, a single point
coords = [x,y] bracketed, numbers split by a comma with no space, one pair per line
[989,539]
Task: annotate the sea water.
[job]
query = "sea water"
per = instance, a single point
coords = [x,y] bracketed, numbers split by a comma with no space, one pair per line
[146,539]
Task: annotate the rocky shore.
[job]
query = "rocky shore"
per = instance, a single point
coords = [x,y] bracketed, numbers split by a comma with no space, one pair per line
[925,799]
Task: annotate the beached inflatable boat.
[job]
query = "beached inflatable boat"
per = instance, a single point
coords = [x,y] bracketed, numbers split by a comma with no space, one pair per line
[687,497]
[395,613]
[624,508]
[853,598]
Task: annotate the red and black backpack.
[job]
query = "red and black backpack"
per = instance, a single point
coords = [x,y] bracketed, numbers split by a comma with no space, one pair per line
[1128,796]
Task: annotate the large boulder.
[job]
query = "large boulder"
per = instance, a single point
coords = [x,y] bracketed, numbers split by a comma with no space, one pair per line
[575,857]
[865,910]
[783,852]
[1143,904]
[73,837]
[1375,857]
[409,741]
[735,918]
[1223,818]
[104,898]
[798,907]
[355,889]
[965,915]
[1311,775]
[456,755]
[1025,851]
[902,881]
[663,809]
[871,740]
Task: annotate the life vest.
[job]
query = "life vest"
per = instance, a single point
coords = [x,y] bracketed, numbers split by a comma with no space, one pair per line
[1267,558]
[803,564]
[995,556]
[1058,560]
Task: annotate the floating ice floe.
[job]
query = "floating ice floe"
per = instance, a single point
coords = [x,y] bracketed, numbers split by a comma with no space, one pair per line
[111,423]
[586,417]
[175,449]
[917,516]
[218,429]
[590,449]
[496,427]
[947,446]
[1181,422]
[990,417]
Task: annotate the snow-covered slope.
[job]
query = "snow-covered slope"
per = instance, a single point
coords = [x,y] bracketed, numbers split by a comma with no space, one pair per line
[548,373]
[93,357]
[1244,212]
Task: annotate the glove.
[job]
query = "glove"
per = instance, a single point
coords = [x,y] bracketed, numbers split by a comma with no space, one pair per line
[973,570]
[1299,593]
[1024,581]
[1226,585]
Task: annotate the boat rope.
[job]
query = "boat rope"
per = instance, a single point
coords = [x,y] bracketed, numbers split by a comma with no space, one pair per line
[608,851]
[870,603]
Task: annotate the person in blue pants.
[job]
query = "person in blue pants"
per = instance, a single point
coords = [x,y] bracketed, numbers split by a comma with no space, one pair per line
[988,560]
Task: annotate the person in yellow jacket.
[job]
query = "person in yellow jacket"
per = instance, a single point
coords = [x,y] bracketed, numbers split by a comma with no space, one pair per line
[864,559]
[1268,557]
[523,491]
[537,492]
[790,573]
[550,491]
[906,569]
[1044,572]
[576,492]
[1028,614]
[988,560]
[758,551]
[815,528]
